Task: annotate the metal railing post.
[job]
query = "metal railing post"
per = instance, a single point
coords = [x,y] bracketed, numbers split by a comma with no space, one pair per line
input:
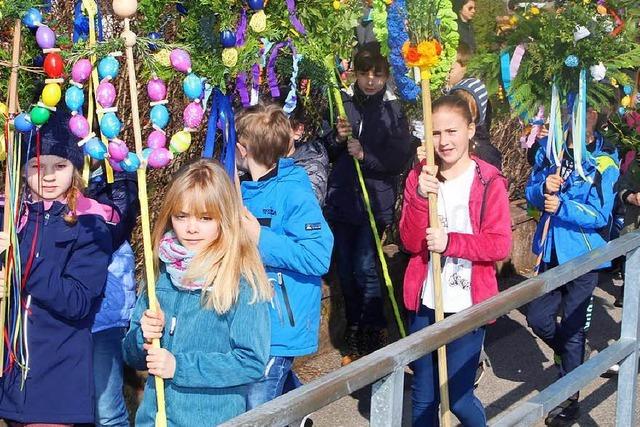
[627,376]
[386,400]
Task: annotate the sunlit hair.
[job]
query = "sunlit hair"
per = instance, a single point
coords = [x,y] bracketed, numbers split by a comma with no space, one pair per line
[203,188]
[456,103]
[265,131]
[471,102]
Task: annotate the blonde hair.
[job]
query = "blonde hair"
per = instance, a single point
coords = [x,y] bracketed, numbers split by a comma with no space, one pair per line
[76,189]
[265,131]
[203,187]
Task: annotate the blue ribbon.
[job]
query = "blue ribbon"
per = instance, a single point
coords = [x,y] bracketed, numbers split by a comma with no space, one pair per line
[81,24]
[222,112]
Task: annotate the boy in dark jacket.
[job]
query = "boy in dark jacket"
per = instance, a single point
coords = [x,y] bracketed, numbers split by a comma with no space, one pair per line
[376,134]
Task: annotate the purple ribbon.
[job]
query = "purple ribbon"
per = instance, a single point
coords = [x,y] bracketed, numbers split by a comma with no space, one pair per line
[272,78]
[241,87]
[255,71]
[241,32]
[293,18]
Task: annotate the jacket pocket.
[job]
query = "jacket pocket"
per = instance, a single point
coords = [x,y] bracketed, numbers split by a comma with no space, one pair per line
[285,297]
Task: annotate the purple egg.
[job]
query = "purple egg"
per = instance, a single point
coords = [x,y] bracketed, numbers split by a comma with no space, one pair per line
[45,37]
[118,150]
[79,126]
[106,94]
[157,90]
[159,158]
[180,60]
[81,71]
[157,139]
[192,115]
[115,165]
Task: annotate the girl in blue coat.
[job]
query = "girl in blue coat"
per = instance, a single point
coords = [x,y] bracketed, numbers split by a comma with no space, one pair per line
[65,247]
[212,289]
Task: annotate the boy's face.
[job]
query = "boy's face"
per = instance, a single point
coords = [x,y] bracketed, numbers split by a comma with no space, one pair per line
[456,74]
[371,82]
[53,180]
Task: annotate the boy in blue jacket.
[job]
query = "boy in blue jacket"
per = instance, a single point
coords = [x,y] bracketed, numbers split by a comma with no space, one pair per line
[295,243]
[579,210]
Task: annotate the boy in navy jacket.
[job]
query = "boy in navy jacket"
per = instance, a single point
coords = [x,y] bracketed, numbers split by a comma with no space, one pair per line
[285,219]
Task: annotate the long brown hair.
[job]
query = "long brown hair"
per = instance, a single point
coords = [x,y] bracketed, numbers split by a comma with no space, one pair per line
[203,187]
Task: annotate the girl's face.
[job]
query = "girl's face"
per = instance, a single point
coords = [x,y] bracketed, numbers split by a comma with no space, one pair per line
[195,232]
[468,11]
[56,177]
[371,82]
[451,135]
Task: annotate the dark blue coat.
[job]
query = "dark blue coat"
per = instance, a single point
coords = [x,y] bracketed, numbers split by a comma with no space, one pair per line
[382,128]
[66,279]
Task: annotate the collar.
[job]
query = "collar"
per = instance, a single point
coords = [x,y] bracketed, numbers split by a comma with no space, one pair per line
[271,174]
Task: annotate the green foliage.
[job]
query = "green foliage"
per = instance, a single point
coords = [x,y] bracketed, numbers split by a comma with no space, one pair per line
[484,23]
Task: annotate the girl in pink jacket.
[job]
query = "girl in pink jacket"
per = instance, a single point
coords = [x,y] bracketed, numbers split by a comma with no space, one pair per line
[475,232]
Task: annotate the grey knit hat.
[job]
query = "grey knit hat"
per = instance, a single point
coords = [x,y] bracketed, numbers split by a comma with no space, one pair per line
[479,92]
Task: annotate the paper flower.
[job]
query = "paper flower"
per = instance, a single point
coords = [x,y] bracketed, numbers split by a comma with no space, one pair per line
[258,22]
[598,71]
[571,61]
[230,57]
[424,56]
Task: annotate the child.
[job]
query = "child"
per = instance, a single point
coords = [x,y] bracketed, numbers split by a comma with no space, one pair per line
[375,133]
[579,210]
[112,319]
[65,247]
[213,320]
[475,232]
[293,238]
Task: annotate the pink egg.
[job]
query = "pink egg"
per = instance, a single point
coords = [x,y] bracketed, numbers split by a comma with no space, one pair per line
[79,126]
[159,158]
[157,90]
[180,60]
[192,115]
[118,150]
[115,165]
[106,94]
[81,71]
[157,139]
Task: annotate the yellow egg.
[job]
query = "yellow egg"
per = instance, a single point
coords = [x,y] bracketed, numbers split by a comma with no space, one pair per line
[51,94]
[626,101]
[4,110]
[336,4]
[180,142]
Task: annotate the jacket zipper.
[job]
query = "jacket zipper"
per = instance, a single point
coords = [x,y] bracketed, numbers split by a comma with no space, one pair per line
[173,323]
[44,224]
[285,296]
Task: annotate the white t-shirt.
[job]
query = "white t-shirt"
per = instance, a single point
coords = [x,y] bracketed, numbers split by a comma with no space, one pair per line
[453,211]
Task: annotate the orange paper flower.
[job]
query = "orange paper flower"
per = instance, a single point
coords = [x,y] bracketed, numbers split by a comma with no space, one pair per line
[424,56]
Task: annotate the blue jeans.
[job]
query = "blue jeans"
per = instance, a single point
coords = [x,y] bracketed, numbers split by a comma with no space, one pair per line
[278,379]
[358,273]
[107,373]
[463,356]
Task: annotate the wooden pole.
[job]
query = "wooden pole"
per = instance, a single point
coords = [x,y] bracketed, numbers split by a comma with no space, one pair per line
[545,229]
[436,268]
[6,220]
[130,41]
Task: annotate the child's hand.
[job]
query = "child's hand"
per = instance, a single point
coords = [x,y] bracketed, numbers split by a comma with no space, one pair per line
[4,241]
[152,324]
[437,239]
[634,199]
[251,224]
[421,153]
[160,362]
[355,149]
[344,129]
[551,204]
[427,181]
[553,184]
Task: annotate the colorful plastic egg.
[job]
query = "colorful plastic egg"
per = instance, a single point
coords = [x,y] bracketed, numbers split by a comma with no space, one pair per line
[146,152]
[79,126]
[182,10]
[32,18]
[108,67]
[156,139]
[115,165]
[154,36]
[38,61]
[106,94]
[180,142]
[180,60]
[51,94]
[157,90]
[622,111]
[39,115]
[118,150]
[256,4]
[95,149]
[159,158]
[81,71]
[53,65]
[192,86]
[192,115]
[110,126]
[74,98]
[22,123]
[45,37]
[131,163]
[159,116]
[227,38]
[627,89]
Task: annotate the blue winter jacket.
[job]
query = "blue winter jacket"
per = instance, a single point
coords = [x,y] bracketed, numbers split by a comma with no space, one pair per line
[64,283]
[585,208]
[295,246]
[116,304]
[216,356]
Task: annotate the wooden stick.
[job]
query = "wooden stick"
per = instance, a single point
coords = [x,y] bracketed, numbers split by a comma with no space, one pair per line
[130,41]
[436,268]
[545,230]
[6,220]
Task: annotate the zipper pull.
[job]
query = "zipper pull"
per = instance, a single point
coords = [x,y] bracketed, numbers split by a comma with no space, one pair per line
[172,328]
[280,279]
[46,218]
